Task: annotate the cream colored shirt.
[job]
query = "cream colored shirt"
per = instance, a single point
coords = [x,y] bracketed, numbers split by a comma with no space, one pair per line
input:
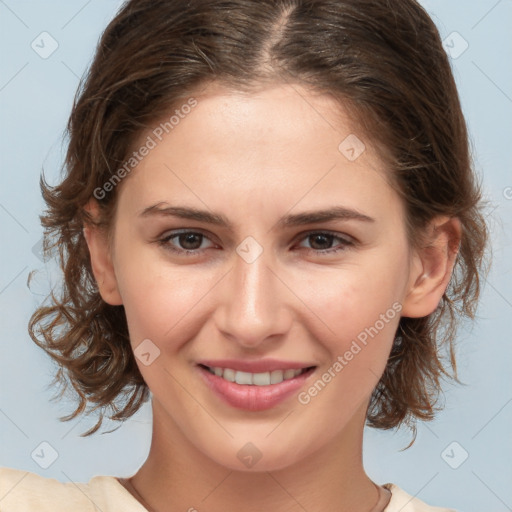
[22,491]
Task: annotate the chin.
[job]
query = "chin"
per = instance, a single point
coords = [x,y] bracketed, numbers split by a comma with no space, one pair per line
[259,455]
[269,462]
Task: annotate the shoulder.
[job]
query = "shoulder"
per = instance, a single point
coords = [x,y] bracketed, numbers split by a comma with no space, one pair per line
[24,491]
[403,502]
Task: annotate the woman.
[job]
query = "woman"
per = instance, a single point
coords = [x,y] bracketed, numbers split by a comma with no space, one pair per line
[270,224]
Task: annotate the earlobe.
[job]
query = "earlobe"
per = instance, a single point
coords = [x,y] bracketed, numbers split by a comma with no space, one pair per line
[101,260]
[432,267]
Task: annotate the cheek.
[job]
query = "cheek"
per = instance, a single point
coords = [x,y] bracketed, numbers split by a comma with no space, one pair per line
[159,299]
[347,302]
[356,324]
[357,311]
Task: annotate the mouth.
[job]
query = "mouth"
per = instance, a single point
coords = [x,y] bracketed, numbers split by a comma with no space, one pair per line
[257,390]
[256,379]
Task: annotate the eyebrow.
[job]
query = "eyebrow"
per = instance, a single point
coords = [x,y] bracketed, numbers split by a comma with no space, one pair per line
[290,220]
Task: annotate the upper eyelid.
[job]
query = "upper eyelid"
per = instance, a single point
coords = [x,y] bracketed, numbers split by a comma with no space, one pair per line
[181,231]
[300,236]
[324,232]
[343,238]
[169,235]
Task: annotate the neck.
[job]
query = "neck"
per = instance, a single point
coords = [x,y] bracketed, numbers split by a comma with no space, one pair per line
[177,476]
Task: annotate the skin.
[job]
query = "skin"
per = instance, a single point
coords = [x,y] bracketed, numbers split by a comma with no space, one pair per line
[255,158]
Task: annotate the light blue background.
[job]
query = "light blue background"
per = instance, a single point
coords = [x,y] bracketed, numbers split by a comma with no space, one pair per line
[35,99]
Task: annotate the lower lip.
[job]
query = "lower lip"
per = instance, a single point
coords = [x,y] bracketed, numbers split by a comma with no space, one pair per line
[253,398]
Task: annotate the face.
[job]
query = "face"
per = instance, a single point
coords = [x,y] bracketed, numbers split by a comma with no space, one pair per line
[257,243]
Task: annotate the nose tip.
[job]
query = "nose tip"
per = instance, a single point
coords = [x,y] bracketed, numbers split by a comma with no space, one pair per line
[253,306]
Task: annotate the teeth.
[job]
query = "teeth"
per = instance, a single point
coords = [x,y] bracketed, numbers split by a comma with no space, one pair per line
[242,377]
[276,376]
[289,374]
[261,379]
[255,379]
[229,374]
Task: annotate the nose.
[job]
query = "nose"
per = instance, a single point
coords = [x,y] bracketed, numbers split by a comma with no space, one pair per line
[254,307]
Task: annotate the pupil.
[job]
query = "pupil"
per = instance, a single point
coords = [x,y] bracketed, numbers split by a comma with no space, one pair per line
[190,241]
[321,241]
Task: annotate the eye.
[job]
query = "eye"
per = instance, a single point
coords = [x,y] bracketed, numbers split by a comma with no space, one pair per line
[193,243]
[323,242]
[188,243]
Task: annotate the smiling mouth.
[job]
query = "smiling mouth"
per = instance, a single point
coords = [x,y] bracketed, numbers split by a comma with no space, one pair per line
[257,379]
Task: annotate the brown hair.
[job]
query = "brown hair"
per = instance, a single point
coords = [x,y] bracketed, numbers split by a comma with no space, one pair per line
[383,60]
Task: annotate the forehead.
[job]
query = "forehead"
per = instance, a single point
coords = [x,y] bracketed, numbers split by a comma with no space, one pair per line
[280,145]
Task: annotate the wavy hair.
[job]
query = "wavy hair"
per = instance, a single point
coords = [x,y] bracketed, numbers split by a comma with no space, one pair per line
[383,60]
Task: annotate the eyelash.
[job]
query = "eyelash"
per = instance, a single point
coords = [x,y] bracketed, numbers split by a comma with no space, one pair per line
[344,242]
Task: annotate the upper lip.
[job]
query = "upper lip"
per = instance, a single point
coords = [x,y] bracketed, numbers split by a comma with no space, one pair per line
[261,366]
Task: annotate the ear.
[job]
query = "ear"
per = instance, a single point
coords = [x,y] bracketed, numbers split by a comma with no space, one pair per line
[101,258]
[432,267]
